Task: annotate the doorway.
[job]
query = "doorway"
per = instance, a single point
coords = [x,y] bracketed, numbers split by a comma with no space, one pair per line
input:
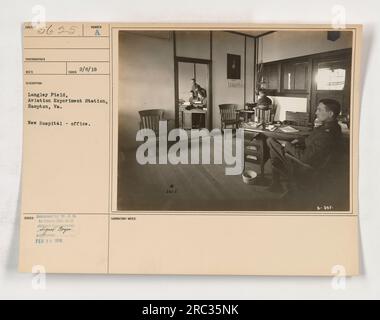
[191,113]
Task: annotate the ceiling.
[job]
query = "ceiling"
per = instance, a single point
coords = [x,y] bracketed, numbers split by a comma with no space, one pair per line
[255,33]
[167,35]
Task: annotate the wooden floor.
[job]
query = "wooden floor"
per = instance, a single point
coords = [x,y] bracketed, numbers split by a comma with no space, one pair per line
[200,187]
[188,187]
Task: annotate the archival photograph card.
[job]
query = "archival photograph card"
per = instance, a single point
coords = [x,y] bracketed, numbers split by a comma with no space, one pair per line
[208,149]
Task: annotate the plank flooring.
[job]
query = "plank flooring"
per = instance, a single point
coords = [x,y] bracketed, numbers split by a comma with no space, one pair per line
[187,187]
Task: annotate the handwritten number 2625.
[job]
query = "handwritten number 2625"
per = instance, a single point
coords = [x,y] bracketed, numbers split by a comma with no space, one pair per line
[51,29]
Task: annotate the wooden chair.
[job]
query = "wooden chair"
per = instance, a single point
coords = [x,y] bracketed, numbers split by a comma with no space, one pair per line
[229,115]
[306,181]
[324,184]
[344,119]
[265,115]
[300,169]
[273,110]
[150,119]
[297,118]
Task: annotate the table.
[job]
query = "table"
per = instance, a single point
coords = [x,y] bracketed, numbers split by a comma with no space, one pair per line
[303,132]
[188,115]
[255,146]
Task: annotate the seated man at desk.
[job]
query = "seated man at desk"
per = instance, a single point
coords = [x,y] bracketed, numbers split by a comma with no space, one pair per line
[194,111]
[201,103]
[202,98]
[196,99]
[263,100]
[192,96]
[316,148]
[195,87]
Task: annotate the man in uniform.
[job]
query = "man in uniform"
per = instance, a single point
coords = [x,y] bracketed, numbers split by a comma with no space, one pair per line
[195,87]
[264,100]
[317,147]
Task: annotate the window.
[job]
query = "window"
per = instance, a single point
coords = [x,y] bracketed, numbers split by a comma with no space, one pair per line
[331,76]
[269,78]
[294,76]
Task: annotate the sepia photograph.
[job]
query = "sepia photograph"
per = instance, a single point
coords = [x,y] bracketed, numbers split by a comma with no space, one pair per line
[194,151]
[226,120]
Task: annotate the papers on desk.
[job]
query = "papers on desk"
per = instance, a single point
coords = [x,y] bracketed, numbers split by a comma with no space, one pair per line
[252,125]
[271,127]
[288,129]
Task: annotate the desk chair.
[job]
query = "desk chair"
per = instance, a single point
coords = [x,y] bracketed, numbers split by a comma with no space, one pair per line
[265,115]
[149,119]
[344,119]
[297,118]
[307,184]
[273,110]
[229,115]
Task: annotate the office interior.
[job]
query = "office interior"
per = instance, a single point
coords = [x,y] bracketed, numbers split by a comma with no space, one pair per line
[295,69]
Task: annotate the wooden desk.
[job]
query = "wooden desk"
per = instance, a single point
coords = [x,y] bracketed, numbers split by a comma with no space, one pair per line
[303,132]
[255,146]
[187,118]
